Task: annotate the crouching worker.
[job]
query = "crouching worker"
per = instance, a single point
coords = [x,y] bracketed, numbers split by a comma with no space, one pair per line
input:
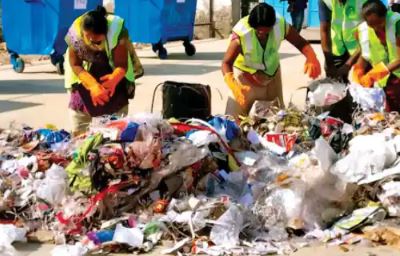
[251,65]
[99,73]
[379,38]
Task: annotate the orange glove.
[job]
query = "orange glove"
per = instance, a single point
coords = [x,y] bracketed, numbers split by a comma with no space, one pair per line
[111,81]
[97,92]
[312,67]
[374,75]
[366,81]
[237,89]
[378,72]
[358,73]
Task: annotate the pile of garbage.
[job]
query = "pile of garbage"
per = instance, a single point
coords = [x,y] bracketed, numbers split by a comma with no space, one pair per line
[280,180]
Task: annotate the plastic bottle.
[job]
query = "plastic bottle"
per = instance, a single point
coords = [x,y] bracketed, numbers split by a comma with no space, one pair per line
[101,236]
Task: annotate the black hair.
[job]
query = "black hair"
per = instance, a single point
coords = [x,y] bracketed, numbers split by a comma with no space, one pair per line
[96,21]
[263,15]
[374,7]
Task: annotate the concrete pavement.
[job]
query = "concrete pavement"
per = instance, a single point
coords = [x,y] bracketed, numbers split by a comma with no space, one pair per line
[37,97]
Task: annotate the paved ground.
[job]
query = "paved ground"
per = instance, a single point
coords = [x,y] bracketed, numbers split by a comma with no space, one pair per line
[37,97]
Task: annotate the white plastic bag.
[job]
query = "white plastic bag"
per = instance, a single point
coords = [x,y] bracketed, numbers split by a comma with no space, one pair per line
[226,232]
[77,249]
[368,155]
[327,93]
[54,186]
[390,197]
[186,154]
[370,99]
[8,235]
[202,138]
[132,236]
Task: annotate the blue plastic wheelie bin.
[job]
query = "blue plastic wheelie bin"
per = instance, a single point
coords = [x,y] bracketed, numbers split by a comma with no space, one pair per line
[39,27]
[159,21]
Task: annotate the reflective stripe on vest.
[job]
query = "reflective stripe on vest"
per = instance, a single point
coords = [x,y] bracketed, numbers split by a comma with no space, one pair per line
[345,19]
[115,25]
[254,57]
[373,51]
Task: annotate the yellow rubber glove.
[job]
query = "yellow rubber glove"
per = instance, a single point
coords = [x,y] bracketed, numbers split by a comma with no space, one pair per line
[237,89]
[312,67]
[378,72]
[358,73]
[98,94]
[111,81]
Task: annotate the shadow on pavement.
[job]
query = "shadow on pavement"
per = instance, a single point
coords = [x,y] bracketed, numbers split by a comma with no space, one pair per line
[176,69]
[6,105]
[197,56]
[207,56]
[32,86]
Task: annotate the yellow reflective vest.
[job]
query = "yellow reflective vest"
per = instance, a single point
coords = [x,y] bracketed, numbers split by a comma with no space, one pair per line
[254,57]
[115,26]
[373,51]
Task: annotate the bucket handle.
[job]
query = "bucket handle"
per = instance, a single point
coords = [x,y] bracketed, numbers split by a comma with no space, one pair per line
[156,88]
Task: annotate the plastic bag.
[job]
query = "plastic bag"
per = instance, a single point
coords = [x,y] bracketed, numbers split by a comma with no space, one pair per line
[202,138]
[145,153]
[8,235]
[78,176]
[77,249]
[132,236]
[368,155]
[327,93]
[369,99]
[153,122]
[185,154]
[226,128]
[233,185]
[390,197]
[226,230]
[54,186]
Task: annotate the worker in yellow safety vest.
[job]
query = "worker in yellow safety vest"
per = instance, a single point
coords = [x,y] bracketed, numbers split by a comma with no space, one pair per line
[99,72]
[379,38]
[338,22]
[251,66]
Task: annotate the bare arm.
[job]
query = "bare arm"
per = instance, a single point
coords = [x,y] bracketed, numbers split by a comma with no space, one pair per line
[296,39]
[120,53]
[325,31]
[231,54]
[75,61]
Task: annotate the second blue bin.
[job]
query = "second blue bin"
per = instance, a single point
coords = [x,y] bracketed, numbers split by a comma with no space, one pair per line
[159,21]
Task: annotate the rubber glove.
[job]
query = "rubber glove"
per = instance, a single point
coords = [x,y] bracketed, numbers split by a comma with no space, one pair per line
[330,68]
[111,81]
[343,71]
[358,73]
[375,74]
[312,67]
[237,89]
[97,92]
[378,72]
[366,81]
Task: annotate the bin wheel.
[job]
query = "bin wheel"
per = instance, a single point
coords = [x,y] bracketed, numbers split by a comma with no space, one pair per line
[162,53]
[190,49]
[60,67]
[154,47]
[19,65]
